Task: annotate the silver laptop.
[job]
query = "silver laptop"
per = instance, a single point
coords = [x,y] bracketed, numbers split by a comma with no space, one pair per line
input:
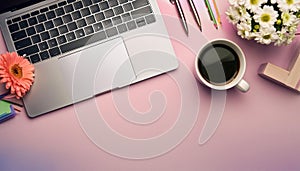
[82,48]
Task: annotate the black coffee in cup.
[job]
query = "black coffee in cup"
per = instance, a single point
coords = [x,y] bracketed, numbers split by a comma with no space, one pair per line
[218,64]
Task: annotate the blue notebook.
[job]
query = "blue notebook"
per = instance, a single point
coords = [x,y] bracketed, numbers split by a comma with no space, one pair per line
[6,111]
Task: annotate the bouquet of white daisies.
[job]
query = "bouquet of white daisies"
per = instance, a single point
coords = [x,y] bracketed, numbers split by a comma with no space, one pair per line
[266,21]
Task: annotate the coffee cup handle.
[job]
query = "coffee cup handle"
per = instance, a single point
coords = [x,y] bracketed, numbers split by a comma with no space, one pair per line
[243,86]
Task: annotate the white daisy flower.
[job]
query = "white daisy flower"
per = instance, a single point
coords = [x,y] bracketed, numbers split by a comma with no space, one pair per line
[233,14]
[288,18]
[286,5]
[244,30]
[275,21]
[266,35]
[266,17]
[236,3]
[253,5]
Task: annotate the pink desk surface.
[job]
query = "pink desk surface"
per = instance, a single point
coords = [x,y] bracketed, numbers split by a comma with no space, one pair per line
[259,130]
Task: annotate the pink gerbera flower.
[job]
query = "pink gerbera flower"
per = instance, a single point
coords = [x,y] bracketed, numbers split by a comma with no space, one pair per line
[17,73]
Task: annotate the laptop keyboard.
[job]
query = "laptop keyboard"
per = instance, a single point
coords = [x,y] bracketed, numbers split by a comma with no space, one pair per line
[72,24]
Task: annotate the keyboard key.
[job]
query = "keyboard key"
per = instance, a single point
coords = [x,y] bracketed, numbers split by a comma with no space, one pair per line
[30,31]
[122,28]
[67,18]
[54,52]
[150,19]
[41,18]
[141,22]
[39,28]
[141,12]
[127,7]
[118,10]
[32,21]
[25,16]
[109,13]
[139,3]
[104,5]
[59,11]
[88,30]
[44,10]
[52,43]
[81,23]
[79,33]
[72,26]
[131,25]
[78,5]
[94,8]
[112,32]
[61,40]
[123,1]
[14,20]
[96,1]
[58,21]
[76,15]
[44,55]
[107,23]
[99,16]
[9,22]
[54,32]
[45,36]
[53,7]
[36,39]
[70,36]
[117,20]
[70,1]
[85,12]
[82,42]
[113,3]
[63,29]
[87,2]
[29,50]
[69,8]
[98,27]
[35,58]
[126,17]
[90,20]
[34,13]
[19,35]
[62,3]
[49,25]
[50,15]
[43,46]
[13,28]
[23,24]
[23,43]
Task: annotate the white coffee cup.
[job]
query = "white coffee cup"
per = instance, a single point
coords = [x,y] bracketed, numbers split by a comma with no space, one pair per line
[221,65]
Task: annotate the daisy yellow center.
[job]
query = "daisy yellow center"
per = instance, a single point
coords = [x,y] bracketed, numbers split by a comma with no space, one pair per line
[16,71]
[290,2]
[286,17]
[267,36]
[265,18]
[254,2]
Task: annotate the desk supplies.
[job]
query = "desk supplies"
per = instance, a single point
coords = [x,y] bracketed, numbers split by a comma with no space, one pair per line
[6,111]
[288,78]
[195,12]
[181,14]
[211,13]
[217,12]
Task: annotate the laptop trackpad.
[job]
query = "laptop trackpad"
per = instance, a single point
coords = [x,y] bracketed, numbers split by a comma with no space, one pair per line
[97,69]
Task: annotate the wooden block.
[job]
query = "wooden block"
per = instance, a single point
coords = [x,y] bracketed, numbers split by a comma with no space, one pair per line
[290,79]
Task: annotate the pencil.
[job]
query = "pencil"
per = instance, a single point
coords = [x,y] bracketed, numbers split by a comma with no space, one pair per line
[218,13]
[211,14]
